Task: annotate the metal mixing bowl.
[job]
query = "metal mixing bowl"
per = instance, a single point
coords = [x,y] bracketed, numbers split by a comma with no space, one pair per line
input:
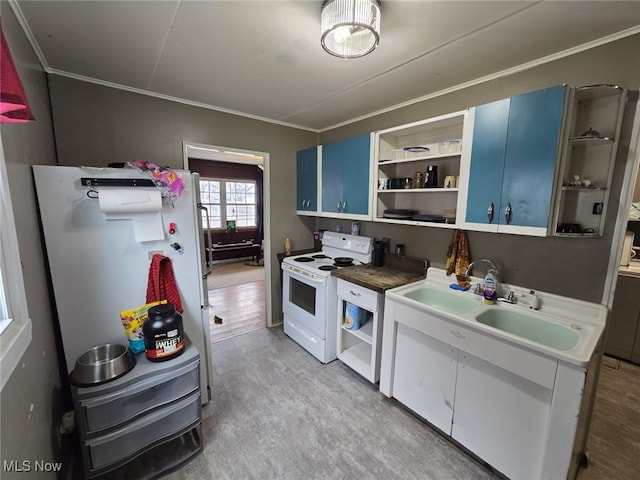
[102,364]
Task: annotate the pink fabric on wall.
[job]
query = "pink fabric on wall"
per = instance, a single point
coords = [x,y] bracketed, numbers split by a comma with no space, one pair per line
[14,107]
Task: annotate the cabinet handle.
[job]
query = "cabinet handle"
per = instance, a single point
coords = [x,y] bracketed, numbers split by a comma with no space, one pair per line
[490,213]
[355,294]
[338,207]
[507,213]
[308,204]
[344,206]
[458,334]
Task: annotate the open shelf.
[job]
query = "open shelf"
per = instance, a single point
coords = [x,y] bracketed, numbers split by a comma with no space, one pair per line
[364,333]
[598,109]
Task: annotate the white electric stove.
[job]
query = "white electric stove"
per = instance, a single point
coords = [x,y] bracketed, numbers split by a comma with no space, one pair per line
[309,297]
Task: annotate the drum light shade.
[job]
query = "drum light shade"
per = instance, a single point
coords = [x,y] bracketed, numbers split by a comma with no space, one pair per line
[350,28]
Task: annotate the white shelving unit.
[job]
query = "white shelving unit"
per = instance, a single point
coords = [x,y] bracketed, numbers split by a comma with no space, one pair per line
[586,170]
[393,161]
[360,349]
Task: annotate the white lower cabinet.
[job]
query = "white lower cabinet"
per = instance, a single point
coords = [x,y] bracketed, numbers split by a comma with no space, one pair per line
[518,410]
[501,417]
[359,345]
[427,384]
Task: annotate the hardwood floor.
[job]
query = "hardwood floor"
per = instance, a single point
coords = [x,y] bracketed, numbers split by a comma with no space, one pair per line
[240,307]
[613,445]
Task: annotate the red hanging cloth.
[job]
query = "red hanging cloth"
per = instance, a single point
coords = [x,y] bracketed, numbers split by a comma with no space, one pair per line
[14,107]
[162,284]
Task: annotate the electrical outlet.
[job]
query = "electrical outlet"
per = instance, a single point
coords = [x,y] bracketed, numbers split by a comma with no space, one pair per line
[597,208]
[151,253]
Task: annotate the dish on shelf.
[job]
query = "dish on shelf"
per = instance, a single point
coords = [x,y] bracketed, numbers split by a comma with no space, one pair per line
[591,133]
[418,149]
[449,146]
[429,218]
[399,214]
[589,138]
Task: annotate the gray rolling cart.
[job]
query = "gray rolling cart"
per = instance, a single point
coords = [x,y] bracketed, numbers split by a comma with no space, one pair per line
[144,424]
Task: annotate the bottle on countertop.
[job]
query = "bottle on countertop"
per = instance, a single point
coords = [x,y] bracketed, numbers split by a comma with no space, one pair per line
[378,253]
[287,246]
[490,287]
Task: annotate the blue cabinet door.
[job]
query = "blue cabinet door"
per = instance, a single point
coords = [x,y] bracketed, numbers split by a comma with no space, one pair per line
[487,161]
[332,162]
[346,175]
[307,179]
[356,174]
[513,159]
[535,122]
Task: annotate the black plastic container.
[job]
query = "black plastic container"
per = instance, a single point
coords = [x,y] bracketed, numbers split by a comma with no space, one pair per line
[163,333]
[378,253]
[431,177]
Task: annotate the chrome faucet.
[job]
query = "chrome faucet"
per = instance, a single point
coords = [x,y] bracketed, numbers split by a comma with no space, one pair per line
[492,266]
[487,260]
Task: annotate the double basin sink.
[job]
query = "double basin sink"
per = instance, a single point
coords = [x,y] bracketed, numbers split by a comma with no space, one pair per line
[561,330]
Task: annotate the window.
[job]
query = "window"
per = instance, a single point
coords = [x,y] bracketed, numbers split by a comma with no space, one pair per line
[15,325]
[228,200]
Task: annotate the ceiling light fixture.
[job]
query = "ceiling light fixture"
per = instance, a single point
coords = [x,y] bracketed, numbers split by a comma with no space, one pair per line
[350,28]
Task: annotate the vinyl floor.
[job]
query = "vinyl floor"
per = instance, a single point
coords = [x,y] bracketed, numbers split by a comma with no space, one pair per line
[278,413]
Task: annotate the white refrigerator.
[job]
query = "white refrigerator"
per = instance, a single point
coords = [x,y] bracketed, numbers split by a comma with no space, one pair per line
[100,250]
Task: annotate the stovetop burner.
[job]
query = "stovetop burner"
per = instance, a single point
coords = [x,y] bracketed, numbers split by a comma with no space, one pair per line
[303,259]
[320,255]
[327,268]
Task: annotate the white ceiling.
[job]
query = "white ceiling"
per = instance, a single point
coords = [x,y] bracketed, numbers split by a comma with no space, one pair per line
[263,58]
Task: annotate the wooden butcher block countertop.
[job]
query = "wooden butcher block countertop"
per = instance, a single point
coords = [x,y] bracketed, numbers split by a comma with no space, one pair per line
[396,271]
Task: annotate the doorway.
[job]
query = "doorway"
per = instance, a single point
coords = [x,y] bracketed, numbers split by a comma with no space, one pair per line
[234,184]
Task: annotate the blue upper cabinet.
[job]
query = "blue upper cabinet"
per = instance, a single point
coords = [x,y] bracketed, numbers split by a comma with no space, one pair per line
[515,150]
[487,161]
[346,167]
[307,181]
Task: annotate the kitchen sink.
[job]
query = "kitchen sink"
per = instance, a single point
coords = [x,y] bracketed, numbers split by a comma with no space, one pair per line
[450,302]
[530,327]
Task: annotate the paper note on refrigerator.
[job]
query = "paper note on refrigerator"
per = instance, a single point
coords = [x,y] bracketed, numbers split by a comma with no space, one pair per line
[142,206]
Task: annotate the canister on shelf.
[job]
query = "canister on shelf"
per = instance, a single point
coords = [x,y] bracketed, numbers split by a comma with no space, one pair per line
[418,180]
[354,316]
[163,333]
[431,177]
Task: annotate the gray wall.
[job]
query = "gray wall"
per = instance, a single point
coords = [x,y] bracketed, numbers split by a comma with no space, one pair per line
[96,125]
[31,400]
[574,267]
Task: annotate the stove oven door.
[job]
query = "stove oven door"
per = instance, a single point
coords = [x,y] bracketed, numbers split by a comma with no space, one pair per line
[304,300]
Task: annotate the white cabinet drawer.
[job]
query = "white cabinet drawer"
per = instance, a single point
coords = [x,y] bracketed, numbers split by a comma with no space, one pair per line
[363,297]
[120,445]
[513,358]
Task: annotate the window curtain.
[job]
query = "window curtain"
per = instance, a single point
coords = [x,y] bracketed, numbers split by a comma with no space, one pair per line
[14,107]
[259,204]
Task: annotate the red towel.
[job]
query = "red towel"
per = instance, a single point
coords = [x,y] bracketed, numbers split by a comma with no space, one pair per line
[162,284]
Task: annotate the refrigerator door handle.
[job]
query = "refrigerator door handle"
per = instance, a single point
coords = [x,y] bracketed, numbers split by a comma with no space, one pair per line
[208,248]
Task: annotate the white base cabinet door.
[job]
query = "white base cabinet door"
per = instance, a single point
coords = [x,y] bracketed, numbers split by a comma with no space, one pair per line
[501,417]
[426,376]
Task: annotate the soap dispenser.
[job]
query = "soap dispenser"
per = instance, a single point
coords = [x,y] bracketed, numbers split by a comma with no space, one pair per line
[490,287]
